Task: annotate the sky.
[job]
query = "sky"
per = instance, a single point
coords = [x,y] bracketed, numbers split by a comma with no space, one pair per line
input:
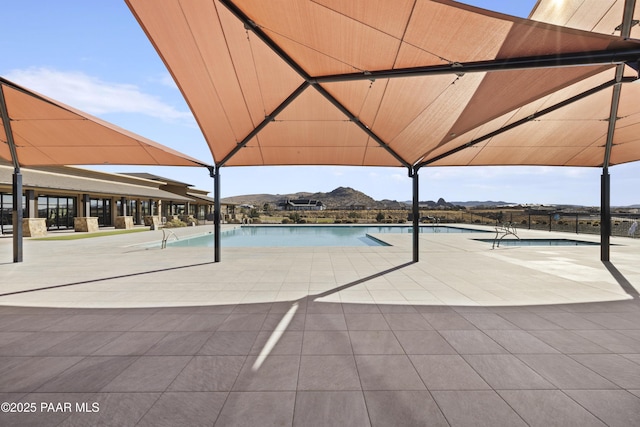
[93,56]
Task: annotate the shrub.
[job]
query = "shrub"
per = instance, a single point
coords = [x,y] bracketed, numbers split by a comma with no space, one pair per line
[175,223]
[286,220]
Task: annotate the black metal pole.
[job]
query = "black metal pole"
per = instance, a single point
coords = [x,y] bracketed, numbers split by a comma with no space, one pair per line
[605,215]
[215,174]
[17,213]
[416,216]
[17,216]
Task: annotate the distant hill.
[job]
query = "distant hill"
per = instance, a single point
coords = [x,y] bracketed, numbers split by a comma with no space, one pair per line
[341,197]
[488,203]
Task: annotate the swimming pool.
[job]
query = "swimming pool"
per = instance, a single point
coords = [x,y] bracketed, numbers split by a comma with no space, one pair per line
[308,235]
[540,242]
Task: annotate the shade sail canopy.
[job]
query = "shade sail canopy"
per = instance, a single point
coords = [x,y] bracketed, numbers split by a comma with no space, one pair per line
[47,132]
[397,82]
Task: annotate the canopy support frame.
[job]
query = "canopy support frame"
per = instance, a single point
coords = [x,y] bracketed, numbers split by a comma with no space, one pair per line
[214,172]
[17,214]
[253,27]
[415,209]
[605,182]
[593,58]
[529,118]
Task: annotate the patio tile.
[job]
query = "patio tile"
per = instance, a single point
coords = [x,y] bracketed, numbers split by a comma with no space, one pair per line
[488,321]
[130,343]
[33,343]
[570,321]
[423,342]
[41,417]
[476,408]
[612,340]
[568,342]
[328,373]
[326,342]
[229,343]
[325,322]
[179,344]
[472,342]
[277,321]
[529,321]
[330,408]
[184,409]
[159,322]
[284,342]
[444,321]
[375,342]
[447,373]
[613,367]
[208,373]
[360,308]
[403,408]
[88,375]
[407,322]
[148,374]
[28,373]
[614,407]
[395,372]
[81,344]
[275,373]
[517,342]
[116,409]
[366,322]
[565,373]
[201,322]
[548,408]
[243,322]
[506,372]
[265,409]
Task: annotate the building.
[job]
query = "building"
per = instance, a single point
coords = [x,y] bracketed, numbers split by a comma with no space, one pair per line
[58,195]
[301,205]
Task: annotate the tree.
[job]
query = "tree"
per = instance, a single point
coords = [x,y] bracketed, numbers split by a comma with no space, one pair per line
[380,217]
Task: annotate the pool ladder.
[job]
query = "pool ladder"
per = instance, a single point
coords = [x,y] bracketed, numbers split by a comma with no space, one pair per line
[165,236]
[502,231]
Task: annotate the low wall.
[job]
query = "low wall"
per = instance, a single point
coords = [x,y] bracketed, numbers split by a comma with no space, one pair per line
[124,222]
[152,221]
[34,227]
[86,223]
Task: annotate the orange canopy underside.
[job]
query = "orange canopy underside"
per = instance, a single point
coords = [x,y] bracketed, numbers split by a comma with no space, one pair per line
[236,85]
[47,132]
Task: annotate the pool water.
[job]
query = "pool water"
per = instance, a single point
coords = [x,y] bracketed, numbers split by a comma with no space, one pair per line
[540,242]
[308,235]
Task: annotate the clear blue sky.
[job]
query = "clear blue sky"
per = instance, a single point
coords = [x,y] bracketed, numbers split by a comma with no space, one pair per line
[94,56]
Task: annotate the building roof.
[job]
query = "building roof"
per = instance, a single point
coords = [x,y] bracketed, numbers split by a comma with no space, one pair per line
[48,132]
[400,82]
[90,182]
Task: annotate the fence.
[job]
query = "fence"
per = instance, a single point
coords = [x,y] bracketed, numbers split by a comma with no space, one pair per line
[579,223]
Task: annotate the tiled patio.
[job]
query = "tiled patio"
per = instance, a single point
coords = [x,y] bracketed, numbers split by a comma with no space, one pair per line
[471,336]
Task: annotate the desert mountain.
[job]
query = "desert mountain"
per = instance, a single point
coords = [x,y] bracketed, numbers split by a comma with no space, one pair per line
[340,198]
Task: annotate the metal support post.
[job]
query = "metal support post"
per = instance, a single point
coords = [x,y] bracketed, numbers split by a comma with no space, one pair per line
[416,215]
[605,215]
[17,181]
[17,216]
[214,172]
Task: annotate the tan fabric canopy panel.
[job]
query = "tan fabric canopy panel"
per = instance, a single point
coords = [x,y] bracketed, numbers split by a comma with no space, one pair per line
[47,132]
[276,105]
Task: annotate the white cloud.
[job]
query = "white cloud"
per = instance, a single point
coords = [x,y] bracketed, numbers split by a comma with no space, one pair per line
[91,94]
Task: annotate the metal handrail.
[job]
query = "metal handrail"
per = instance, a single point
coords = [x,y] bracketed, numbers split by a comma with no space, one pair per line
[506,229]
[166,234]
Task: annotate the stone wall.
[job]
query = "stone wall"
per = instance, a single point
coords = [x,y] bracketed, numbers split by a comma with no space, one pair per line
[34,227]
[124,222]
[85,223]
